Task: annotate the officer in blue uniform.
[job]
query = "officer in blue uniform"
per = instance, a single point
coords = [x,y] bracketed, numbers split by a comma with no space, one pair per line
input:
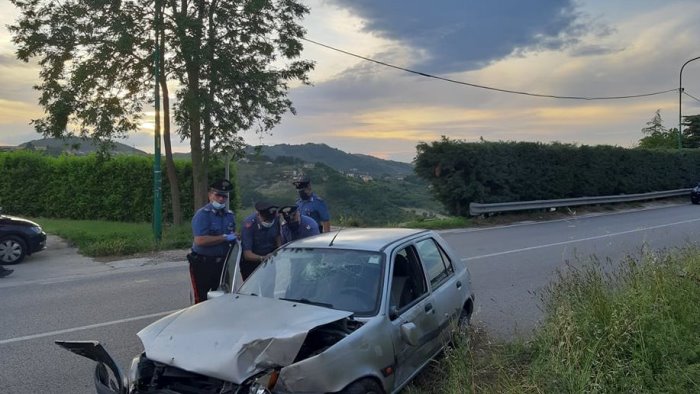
[213,227]
[295,225]
[260,236]
[311,205]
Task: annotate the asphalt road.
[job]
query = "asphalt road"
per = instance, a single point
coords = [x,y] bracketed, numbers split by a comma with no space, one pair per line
[57,294]
[511,265]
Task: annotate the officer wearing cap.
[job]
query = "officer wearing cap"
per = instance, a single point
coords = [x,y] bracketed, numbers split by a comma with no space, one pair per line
[311,205]
[295,226]
[213,227]
[260,236]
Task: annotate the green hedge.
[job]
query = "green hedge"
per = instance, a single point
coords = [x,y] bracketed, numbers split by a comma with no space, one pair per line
[85,187]
[489,172]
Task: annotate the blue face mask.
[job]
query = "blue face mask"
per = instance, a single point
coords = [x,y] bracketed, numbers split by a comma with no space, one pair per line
[218,205]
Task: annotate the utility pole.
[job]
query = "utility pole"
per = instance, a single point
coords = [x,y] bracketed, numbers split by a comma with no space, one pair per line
[680,95]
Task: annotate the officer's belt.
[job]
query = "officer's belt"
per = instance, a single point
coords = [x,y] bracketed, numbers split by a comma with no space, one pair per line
[194,257]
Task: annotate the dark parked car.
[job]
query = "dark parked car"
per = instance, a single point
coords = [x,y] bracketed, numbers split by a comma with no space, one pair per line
[695,194]
[352,311]
[19,238]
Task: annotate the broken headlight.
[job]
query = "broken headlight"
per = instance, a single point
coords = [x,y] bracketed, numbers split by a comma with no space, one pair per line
[264,383]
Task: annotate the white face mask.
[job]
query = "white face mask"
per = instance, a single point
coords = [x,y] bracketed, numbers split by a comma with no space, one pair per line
[218,205]
[267,224]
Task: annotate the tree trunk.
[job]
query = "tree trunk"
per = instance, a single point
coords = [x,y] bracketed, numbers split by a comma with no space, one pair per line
[191,103]
[169,163]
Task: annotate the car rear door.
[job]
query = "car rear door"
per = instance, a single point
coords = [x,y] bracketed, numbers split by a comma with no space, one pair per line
[447,291]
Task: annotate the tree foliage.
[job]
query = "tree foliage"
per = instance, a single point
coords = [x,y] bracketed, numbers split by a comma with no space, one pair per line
[656,136]
[85,187]
[691,133]
[489,172]
[232,60]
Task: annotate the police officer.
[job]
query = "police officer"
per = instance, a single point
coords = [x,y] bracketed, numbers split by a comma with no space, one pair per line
[260,236]
[311,205]
[294,225]
[213,227]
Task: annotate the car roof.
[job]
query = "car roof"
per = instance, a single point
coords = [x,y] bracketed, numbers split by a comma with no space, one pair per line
[370,239]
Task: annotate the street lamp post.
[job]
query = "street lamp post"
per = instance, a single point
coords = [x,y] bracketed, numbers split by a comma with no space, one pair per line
[680,95]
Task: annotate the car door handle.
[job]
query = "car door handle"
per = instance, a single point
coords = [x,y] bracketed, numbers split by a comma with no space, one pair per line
[459,284]
[428,308]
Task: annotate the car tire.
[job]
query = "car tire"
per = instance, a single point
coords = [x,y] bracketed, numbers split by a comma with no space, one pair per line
[12,250]
[695,202]
[363,386]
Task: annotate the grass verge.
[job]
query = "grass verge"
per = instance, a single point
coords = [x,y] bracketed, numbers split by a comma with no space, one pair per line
[97,238]
[633,329]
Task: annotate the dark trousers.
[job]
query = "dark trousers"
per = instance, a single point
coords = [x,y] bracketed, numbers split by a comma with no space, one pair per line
[205,274]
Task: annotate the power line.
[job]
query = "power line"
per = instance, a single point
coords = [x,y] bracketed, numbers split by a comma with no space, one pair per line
[691,96]
[483,86]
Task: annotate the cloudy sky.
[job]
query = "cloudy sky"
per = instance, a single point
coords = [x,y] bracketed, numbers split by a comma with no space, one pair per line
[593,48]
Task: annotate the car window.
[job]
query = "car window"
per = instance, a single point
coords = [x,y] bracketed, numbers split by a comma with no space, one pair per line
[407,280]
[348,280]
[434,261]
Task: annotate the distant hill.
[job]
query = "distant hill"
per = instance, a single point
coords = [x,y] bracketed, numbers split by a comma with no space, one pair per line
[336,159]
[311,153]
[77,146]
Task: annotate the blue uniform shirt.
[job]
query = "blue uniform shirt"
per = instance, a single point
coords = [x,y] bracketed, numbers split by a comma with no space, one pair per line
[257,238]
[314,208]
[307,227]
[210,221]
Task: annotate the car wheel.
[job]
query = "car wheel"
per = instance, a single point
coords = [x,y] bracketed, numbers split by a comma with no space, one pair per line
[12,250]
[465,319]
[694,201]
[363,386]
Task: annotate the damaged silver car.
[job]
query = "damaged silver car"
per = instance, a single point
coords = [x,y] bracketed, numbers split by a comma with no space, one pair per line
[352,311]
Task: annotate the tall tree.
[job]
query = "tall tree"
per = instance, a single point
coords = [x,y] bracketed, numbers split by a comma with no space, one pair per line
[656,136]
[691,133]
[233,61]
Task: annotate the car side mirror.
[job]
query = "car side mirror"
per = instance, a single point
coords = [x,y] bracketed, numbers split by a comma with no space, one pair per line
[409,333]
[215,294]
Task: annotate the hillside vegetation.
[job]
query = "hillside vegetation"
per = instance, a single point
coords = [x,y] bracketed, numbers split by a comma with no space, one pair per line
[121,189]
[334,158]
[351,201]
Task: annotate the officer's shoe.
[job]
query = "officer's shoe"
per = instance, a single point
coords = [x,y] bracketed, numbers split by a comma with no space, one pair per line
[4,272]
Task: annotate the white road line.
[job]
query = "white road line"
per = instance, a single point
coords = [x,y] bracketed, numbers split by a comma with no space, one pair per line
[578,240]
[88,327]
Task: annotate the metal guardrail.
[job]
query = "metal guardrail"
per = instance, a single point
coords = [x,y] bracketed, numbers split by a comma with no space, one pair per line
[476,209]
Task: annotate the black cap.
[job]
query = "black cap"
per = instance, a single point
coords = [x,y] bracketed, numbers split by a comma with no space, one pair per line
[302,181]
[221,186]
[288,209]
[265,206]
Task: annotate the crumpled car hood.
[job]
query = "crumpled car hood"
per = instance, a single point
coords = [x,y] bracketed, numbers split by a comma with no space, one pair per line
[234,336]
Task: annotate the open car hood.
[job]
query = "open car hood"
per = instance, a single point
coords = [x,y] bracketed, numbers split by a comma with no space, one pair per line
[234,336]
